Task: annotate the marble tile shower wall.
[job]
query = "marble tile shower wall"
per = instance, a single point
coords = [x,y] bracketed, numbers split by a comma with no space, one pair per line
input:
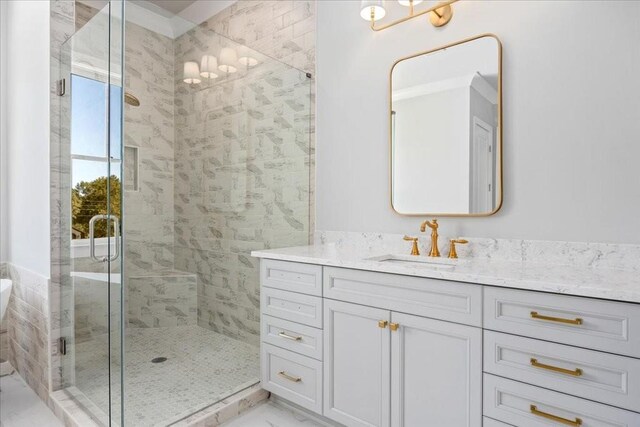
[27,323]
[244,154]
[281,29]
[148,224]
[62,26]
[160,300]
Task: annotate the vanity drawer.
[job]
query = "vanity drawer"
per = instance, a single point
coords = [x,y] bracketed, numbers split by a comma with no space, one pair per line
[305,309]
[490,422]
[438,299]
[291,276]
[603,377]
[610,326]
[292,336]
[292,376]
[525,405]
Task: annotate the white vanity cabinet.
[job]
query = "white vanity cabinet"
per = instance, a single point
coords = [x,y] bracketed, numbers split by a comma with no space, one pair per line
[386,368]
[357,369]
[436,372]
[385,361]
[366,348]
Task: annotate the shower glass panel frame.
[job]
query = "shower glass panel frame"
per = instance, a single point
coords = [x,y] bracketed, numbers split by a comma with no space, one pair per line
[90,172]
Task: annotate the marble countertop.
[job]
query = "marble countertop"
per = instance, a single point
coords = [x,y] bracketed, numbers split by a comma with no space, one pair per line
[605,283]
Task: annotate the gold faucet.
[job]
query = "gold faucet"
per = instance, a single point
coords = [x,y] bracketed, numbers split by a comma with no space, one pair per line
[433,225]
[452,247]
[414,247]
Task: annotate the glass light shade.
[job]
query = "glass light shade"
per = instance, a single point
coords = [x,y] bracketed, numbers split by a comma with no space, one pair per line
[228,60]
[367,7]
[191,73]
[408,3]
[209,67]
[245,57]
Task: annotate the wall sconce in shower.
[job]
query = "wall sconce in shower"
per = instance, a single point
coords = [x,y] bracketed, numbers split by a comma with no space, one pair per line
[191,73]
[228,60]
[209,67]
[245,58]
[373,10]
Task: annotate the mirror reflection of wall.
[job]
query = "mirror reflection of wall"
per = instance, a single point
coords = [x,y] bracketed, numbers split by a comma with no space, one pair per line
[445,130]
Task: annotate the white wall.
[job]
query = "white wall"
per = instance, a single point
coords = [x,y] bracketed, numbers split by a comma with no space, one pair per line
[3,132]
[25,131]
[571,118]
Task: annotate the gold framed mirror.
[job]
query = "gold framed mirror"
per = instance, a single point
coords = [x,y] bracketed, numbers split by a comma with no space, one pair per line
[445,121]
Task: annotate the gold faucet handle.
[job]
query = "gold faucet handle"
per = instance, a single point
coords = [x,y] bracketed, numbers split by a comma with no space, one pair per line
[452,247]
[414,246]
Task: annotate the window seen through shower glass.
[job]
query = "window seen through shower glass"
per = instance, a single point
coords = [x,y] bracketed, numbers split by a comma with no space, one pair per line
[89,149]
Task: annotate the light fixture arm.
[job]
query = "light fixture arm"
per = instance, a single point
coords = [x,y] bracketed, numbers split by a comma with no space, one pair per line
[441,15]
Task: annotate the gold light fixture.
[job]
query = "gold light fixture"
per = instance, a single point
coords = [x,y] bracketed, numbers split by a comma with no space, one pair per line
[373,10]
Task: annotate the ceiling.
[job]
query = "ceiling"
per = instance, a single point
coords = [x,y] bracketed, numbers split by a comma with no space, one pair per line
[173,6]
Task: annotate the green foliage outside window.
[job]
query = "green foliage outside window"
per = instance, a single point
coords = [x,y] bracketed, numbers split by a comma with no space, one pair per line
[89,199]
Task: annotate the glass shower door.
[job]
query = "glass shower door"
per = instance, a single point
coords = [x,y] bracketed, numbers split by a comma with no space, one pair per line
[91,174]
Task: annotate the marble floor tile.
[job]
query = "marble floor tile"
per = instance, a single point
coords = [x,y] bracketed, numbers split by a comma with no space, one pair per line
[270,414]
[21,407]
[202,367]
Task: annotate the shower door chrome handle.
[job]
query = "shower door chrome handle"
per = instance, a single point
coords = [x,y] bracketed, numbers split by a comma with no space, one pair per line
[116,238]
[92,240]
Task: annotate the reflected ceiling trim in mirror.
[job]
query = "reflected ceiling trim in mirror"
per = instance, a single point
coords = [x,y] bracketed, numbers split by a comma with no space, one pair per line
[439,14]
[499,131]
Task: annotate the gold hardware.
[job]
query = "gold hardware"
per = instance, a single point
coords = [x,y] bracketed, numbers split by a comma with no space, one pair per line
[394,326]
[433,225]
[131,100]
[283,374]
[575,372]
[382,324]
[535,411]
[283,334]
[452,247]
[440,14]
[414,246]
[499,133]
[576,321]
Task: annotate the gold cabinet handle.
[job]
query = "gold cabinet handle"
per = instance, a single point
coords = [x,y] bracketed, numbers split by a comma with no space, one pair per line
[382,324]
[283,334]
[576,321]
[535,411]
[575,372]
[283,374]
[394,326]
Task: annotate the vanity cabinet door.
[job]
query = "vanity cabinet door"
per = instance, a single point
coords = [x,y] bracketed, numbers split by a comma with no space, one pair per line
[356,364]
[436,373]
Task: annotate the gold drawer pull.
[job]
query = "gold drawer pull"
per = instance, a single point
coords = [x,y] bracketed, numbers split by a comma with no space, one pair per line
[283,334]
[382,324]
[283,374]
[576,321]
[394,326]
[535,411]
[575,372]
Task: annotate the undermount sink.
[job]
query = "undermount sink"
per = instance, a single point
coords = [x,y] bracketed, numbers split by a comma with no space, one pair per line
[444,263]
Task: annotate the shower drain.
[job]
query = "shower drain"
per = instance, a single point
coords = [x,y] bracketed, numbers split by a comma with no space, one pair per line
[158,359]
